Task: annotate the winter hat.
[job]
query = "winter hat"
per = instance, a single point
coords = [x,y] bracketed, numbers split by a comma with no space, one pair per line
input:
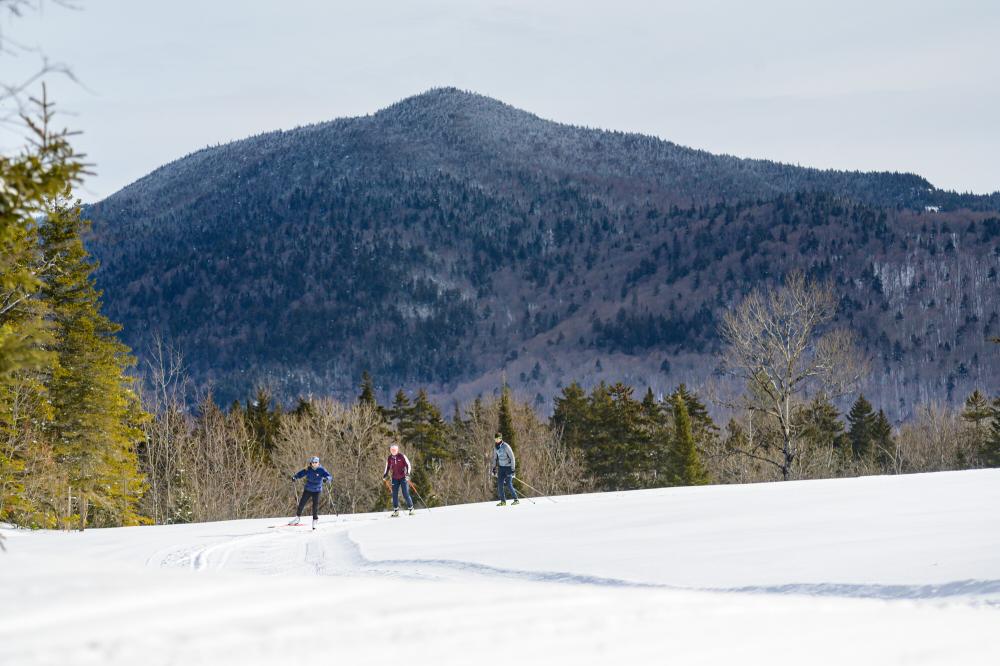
[393,449]
[314,459]
[498,436]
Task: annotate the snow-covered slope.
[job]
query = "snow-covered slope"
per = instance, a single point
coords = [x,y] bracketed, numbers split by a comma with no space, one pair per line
[877,570]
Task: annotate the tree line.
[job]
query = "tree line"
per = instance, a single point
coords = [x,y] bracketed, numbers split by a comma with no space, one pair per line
[83,442]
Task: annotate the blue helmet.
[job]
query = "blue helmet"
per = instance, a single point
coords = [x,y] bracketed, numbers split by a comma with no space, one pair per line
[314,459]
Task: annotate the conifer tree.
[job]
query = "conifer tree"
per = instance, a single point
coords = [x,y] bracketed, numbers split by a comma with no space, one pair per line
[989,450]
[505,422]
[263,419]
[30,180]
[617,445]
[367,390]
[96,414]
[570,415]
[883,442]
[862,427]
[978,412]
[819,425]
[686,463]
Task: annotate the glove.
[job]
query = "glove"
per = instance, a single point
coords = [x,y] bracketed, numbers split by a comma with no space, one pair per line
[511,474]
[385,476]
[291,476]
[493,471]
[407,478]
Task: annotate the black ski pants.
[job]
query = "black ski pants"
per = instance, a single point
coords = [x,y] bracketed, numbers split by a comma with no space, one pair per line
[306,495]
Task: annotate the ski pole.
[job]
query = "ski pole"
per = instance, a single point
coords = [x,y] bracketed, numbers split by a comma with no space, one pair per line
[329,495]
[414,489]
[523,493]
[537,491]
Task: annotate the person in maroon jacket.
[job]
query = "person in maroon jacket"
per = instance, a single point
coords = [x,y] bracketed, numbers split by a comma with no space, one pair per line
[398,466]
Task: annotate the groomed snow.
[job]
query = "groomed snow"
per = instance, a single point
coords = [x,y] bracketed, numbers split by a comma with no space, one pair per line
[876,570]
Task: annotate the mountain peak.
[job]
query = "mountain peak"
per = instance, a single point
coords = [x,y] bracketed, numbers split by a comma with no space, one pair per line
[436,101]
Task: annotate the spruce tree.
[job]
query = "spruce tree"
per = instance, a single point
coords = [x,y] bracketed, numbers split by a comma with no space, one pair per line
[819,426]
[989,450]
[570,416]
[263,418]
[505,421]
[978,412]
[367,390]
[30,180]
[686,463]
[96,414]
[883,442]
[862,427]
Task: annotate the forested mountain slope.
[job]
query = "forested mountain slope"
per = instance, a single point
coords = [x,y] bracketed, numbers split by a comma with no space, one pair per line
[451,239]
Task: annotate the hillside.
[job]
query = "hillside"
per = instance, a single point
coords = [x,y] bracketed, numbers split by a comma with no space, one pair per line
[451,239]
[875,570]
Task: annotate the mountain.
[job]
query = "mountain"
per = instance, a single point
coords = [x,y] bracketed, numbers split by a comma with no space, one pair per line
[451,241]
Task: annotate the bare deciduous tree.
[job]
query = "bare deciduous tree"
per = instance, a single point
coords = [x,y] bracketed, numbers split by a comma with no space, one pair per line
[777,345]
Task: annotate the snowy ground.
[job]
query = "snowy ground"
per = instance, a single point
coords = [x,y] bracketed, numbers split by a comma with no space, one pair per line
[879,570]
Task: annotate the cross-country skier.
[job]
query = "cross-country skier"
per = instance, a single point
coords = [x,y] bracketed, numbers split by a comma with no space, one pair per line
[315,476]
[398,466]
[503,469]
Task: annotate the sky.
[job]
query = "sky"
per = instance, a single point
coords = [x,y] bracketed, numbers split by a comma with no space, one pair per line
[848,84]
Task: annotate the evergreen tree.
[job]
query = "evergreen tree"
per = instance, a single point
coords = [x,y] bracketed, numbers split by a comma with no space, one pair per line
[702,425]
[423,434]
[883,442]
[505,422]
[96,414]
[30,181]
[978,412]
[686,463]
[861,433]
[263,418]
[617,445]
[657,424]
[570,416]
[989,450]
[819,425]
[367,390]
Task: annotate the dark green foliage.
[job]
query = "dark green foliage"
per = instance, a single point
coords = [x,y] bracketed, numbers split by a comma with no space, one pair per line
[685,461]
[423,436]
[367,390]
[861,432]
[629,444]
[96,414]
[819,425]
[263,418]
[979,413]
[989,450]
[505,422]
[882,440]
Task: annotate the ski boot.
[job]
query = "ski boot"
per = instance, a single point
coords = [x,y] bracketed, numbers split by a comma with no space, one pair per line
[502,503]
[315,520]
[395,513]
[295,521]
[515,502]
[412,512]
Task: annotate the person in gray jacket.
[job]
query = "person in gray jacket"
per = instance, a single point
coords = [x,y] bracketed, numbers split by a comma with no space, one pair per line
[503,469]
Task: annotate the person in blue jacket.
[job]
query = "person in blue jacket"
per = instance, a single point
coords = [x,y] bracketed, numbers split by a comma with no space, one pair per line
[315,477]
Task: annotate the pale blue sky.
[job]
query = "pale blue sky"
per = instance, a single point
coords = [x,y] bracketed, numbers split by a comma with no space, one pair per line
[897,85]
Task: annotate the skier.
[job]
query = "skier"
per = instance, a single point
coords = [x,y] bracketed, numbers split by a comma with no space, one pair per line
[503,469]
[315,476]
[399,466]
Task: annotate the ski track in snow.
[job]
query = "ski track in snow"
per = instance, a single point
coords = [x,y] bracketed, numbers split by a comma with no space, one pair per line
[332,551]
